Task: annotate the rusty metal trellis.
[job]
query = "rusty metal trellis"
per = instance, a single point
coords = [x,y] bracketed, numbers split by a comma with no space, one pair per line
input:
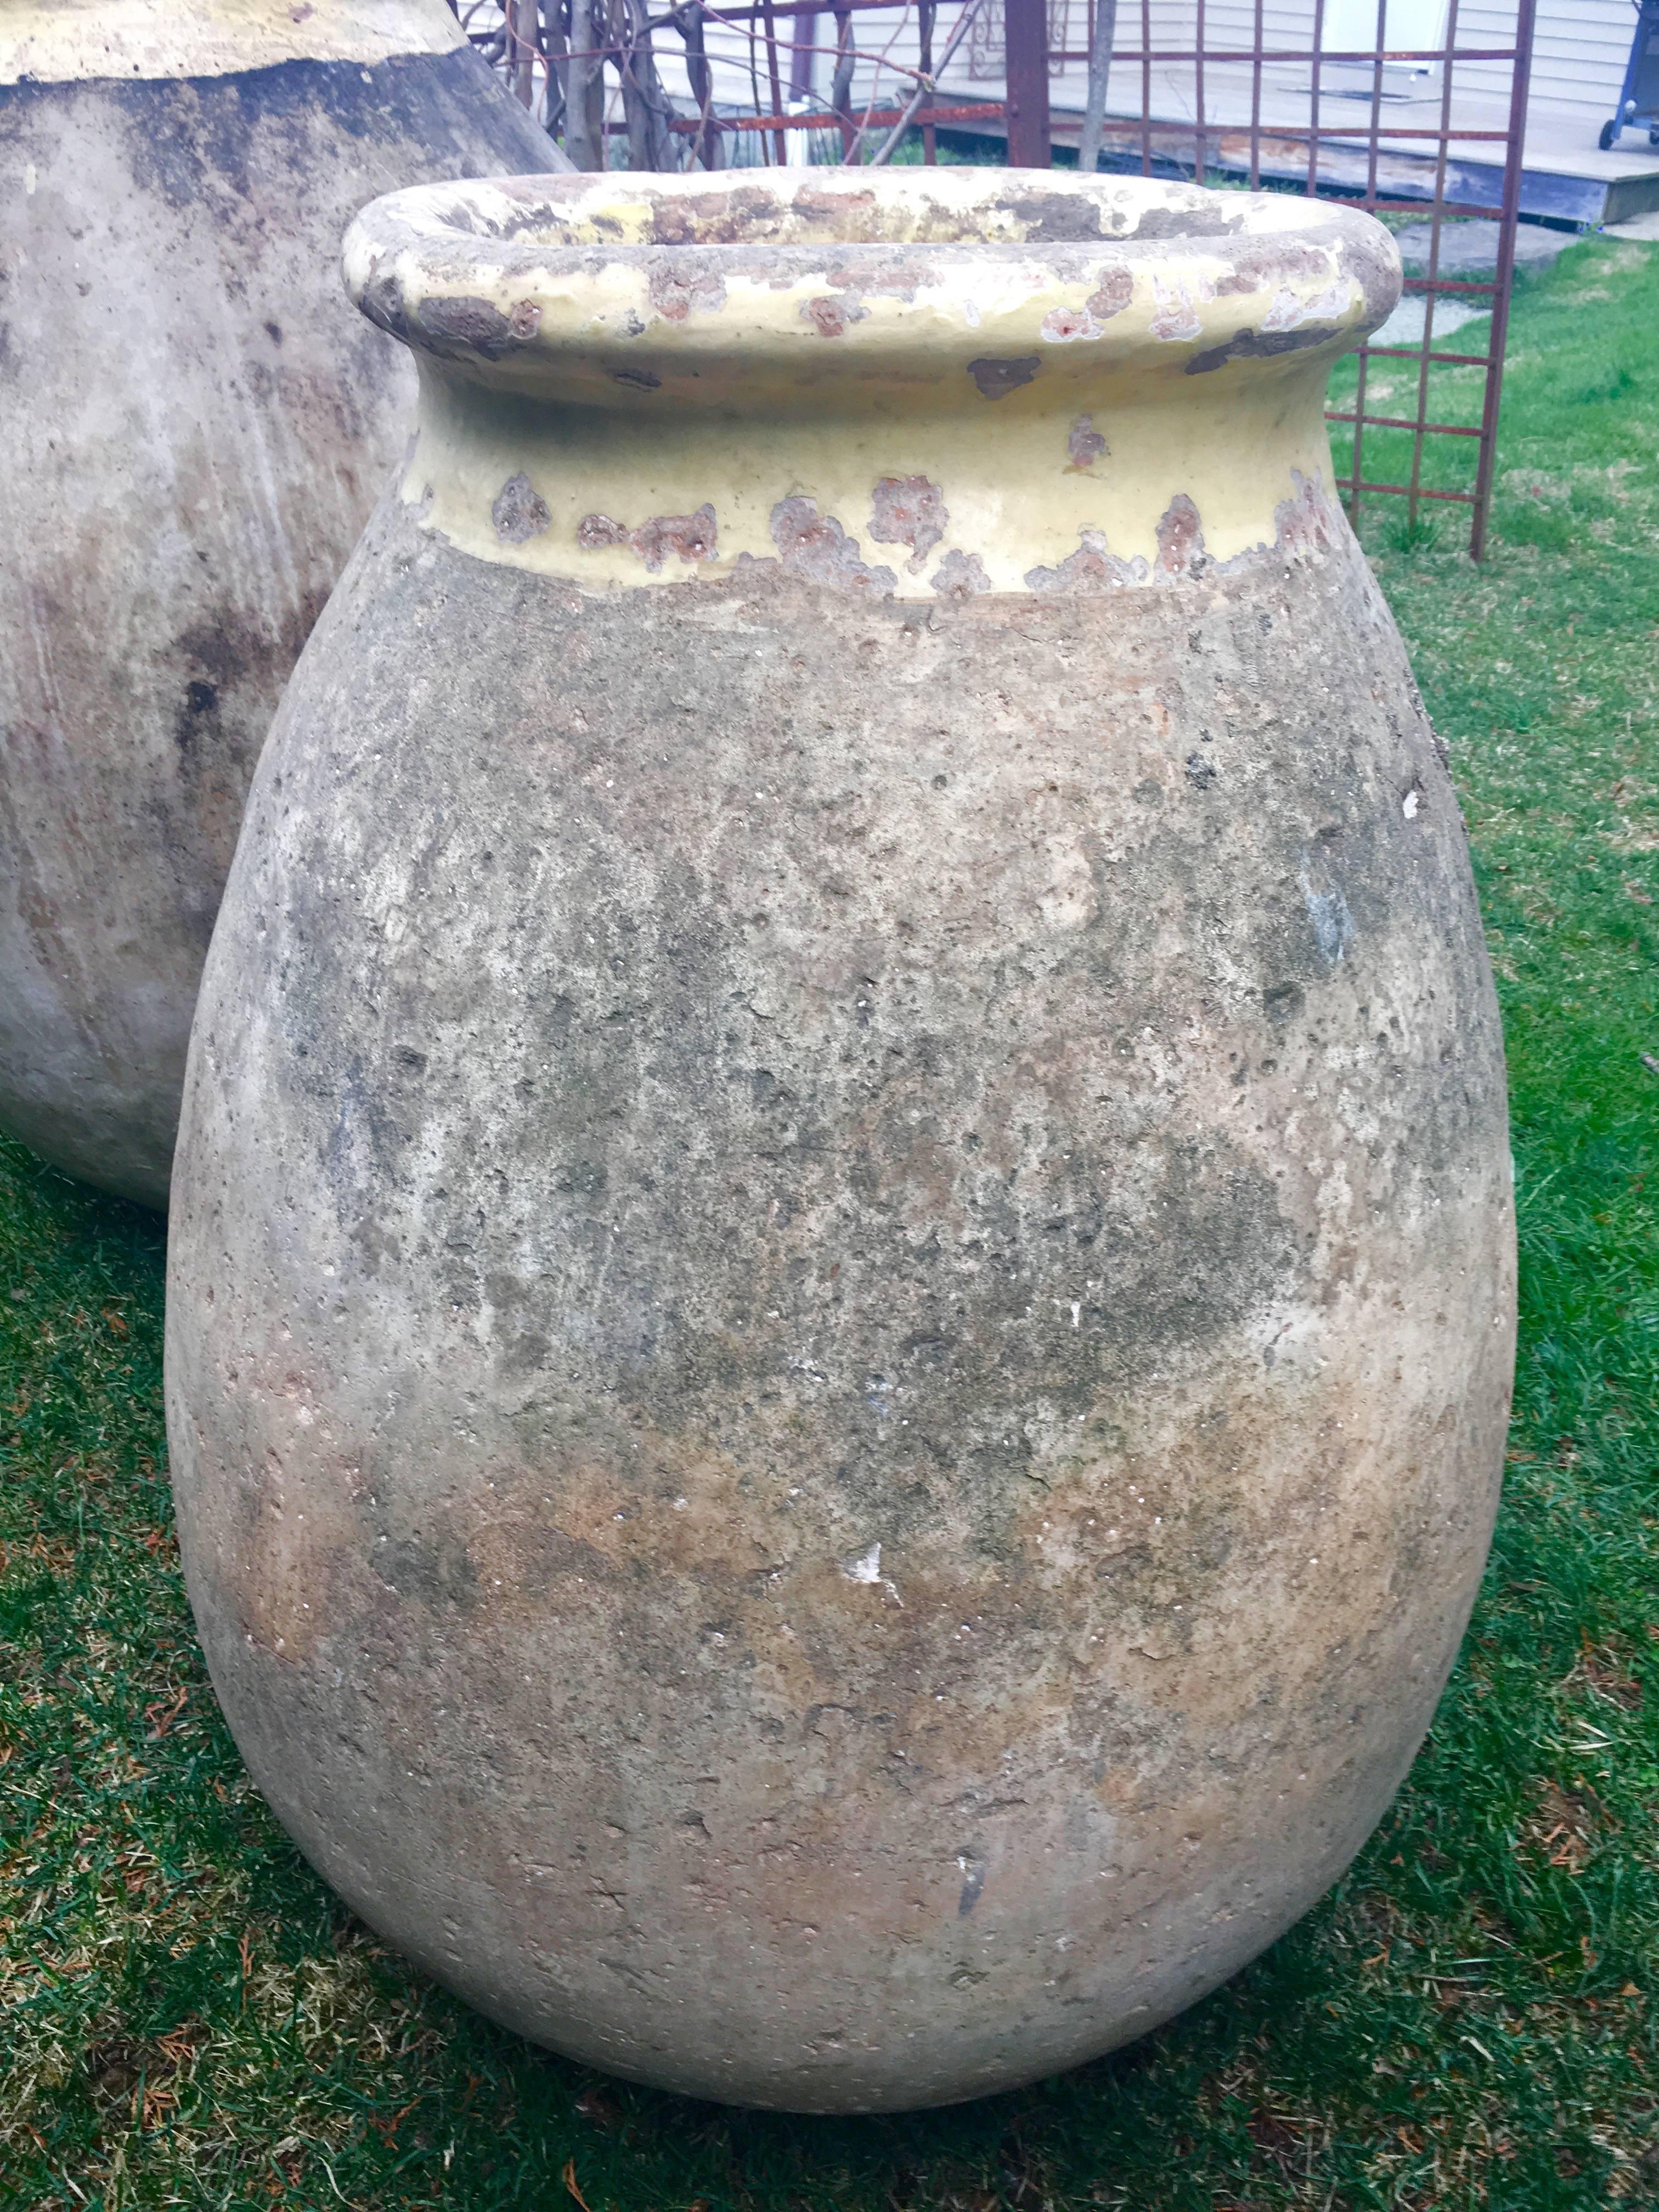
[554,55]
[698,82]
[1346,156]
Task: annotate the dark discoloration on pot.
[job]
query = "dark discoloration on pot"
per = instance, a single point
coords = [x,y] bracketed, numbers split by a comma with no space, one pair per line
[1259,345]
[909,511]
[472,325]
[1083,444]
[959,574]
[681,288]
[1304,524]
[1112,294]
[692,536]
[862,1470]
[518,511]
[1180,538]
[816,546]
[197,425]
[997,379]
[830,317]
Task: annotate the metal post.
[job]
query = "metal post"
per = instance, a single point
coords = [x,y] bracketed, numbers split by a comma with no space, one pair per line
[925,15]
[1519,85]
[1437,235]
[1026,26]
[779,143]
[801,71]
[1200,144]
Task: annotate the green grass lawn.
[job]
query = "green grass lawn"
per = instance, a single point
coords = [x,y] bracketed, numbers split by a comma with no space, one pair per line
[188,2018]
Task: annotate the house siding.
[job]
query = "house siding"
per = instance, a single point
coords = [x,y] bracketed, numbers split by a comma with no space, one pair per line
[1579,54]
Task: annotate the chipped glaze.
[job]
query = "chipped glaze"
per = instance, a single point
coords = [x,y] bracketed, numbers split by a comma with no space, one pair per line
[596,339]
[841,1285]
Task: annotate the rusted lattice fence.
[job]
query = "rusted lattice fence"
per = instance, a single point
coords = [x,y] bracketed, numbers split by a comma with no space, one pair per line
[1414,108]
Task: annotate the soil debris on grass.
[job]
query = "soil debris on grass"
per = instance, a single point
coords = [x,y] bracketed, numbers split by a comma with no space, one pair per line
[188,2018]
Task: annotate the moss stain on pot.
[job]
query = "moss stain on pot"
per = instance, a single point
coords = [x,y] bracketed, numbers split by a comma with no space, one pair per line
[836,1423]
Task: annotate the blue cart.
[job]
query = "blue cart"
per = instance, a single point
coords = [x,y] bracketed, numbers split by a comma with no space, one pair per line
[1638,102]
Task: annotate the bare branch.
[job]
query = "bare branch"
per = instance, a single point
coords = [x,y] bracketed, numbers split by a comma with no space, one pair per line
[926,89]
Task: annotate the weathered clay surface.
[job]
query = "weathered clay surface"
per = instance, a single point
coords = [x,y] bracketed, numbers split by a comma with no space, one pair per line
[841,1283]
[197,425]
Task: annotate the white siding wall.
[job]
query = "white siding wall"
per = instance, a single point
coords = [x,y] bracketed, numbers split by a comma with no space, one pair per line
[1578,60]
[1580,46]
[1578,65]
[1581,49]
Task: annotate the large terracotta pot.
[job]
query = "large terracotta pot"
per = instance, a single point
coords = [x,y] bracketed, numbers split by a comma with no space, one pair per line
[195,426]
[842,1300]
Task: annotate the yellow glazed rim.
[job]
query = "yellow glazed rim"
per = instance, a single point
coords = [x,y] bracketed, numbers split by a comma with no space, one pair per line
[1019,382]
[618,289]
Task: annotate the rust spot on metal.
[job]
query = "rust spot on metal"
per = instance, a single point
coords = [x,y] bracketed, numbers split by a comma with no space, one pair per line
[996,378]
[1112,294]
[909,511]
[816,546]
[1084,444]
[959,576]
[519,512]
[830,318]
[679,289]
[693,536]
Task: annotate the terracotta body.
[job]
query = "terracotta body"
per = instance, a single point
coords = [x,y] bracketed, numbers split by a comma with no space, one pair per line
[842,1287]
[197,425]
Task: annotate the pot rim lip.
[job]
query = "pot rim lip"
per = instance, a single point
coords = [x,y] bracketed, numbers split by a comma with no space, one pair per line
[492,274]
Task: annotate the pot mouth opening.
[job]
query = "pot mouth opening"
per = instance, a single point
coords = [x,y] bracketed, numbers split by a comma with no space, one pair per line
[817,207]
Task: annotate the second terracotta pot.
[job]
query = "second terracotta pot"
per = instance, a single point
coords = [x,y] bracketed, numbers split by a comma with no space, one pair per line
[197,425]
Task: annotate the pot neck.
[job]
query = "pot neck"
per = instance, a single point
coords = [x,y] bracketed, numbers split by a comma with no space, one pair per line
[1077,491]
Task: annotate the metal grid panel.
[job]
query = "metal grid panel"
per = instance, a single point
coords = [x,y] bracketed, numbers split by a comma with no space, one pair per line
[1346,154]
[1299,95]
